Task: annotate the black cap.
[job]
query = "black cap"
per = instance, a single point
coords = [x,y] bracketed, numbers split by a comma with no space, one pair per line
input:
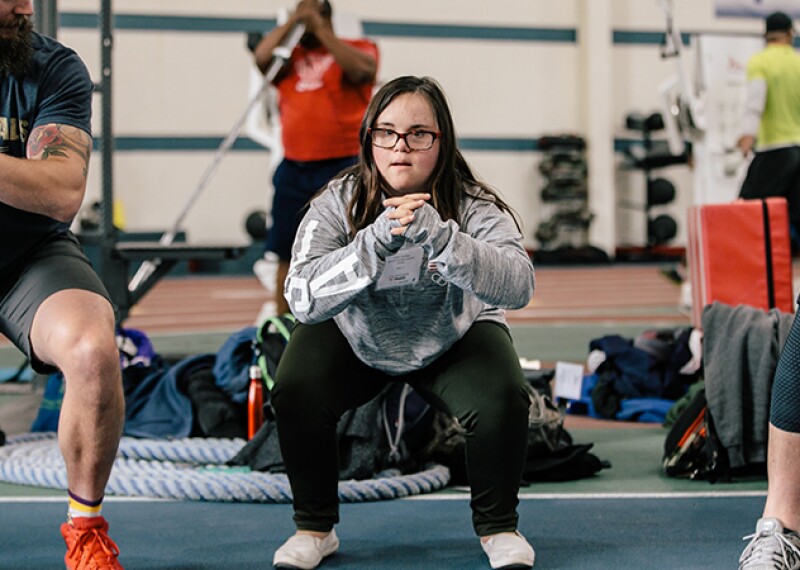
[778,22]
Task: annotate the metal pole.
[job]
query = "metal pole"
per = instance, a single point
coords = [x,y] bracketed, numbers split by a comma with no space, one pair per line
[107,141]
[112,270]
[46,17]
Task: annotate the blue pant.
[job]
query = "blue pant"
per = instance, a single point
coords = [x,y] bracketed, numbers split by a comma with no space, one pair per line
[295,184]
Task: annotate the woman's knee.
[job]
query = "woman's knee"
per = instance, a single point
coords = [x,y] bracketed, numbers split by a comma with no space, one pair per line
[498,406]
[298,393]
[288,391]
[309,370]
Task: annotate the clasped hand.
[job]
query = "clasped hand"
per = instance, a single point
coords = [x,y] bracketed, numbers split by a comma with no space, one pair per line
[404,207]
[307,11]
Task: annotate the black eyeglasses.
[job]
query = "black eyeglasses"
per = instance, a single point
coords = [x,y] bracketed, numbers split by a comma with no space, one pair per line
[417,139]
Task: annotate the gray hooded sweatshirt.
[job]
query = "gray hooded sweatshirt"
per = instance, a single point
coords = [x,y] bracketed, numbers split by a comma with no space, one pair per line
[402,301]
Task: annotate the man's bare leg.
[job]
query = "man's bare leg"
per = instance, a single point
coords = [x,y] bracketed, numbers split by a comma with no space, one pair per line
[783,466]
[74,330]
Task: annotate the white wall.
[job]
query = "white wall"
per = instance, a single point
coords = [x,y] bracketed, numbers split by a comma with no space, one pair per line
[195,84]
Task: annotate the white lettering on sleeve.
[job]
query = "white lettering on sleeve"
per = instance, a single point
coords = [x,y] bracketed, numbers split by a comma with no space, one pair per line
[303,301]
[305,243]
[346,267]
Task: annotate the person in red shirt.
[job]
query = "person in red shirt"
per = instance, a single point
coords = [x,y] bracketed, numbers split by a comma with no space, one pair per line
[323,92]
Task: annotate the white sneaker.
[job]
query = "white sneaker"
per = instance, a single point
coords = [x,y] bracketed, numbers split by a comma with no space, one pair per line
[771,548]
[304,551]
[509,550]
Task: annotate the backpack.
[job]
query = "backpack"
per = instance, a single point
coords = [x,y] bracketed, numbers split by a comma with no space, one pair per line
[271,339]
[692,449]
[550,456]
[545,423]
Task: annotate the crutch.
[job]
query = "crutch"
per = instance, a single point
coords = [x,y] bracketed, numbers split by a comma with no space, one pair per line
[280,55]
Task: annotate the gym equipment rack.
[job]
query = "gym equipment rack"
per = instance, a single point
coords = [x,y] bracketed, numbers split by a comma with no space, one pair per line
[116,258]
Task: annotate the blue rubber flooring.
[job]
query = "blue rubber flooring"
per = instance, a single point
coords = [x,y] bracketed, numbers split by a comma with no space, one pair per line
[576,534]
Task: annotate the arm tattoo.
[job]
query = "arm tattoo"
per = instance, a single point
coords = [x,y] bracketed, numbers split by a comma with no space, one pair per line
[62,141]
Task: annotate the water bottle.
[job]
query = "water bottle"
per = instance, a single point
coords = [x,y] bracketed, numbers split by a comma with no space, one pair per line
[255,402]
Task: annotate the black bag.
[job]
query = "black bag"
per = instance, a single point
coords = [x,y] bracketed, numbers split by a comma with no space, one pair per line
[365,437]
[545,423]
[567,463]
[215,414]
[272,337]
[551,454]
[360,446]
[692,449]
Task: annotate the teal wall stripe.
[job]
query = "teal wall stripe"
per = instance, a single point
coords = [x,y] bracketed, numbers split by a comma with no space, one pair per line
[499,144]
[625,37]
[144,22]
[440,31]
[206,144]
[623,144]
[177,144]
[190,144]
[79,20]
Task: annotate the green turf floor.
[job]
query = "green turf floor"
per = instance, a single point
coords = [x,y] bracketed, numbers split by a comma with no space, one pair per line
[635,454]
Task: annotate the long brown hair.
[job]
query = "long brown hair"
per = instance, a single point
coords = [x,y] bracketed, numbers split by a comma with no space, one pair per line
[451,177]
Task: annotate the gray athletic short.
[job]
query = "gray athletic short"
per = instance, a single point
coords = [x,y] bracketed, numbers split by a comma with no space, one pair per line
[58,265]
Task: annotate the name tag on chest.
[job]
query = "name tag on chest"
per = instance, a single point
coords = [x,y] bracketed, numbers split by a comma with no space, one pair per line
[401,269]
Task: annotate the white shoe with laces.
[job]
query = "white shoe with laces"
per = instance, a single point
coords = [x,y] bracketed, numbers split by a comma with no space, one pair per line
[305,551]
[508,550]
[771,548]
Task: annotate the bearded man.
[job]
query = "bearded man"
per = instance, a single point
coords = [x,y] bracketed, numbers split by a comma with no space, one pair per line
[53,306]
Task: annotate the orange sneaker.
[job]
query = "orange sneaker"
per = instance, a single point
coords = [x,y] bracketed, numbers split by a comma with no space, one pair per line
[88,545]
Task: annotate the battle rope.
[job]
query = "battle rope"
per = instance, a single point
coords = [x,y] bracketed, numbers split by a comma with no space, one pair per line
[192,469]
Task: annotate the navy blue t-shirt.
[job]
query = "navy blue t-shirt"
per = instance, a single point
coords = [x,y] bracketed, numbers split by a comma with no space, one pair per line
[57,89]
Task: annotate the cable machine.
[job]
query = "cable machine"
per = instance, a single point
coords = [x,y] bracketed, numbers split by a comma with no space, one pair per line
[116,258]
[704,103]
[46,21]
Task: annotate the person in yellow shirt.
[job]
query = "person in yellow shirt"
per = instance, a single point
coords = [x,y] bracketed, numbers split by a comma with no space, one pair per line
[771,122]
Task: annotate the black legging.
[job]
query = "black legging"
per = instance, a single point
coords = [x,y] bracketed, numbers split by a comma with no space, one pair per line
[478,380]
